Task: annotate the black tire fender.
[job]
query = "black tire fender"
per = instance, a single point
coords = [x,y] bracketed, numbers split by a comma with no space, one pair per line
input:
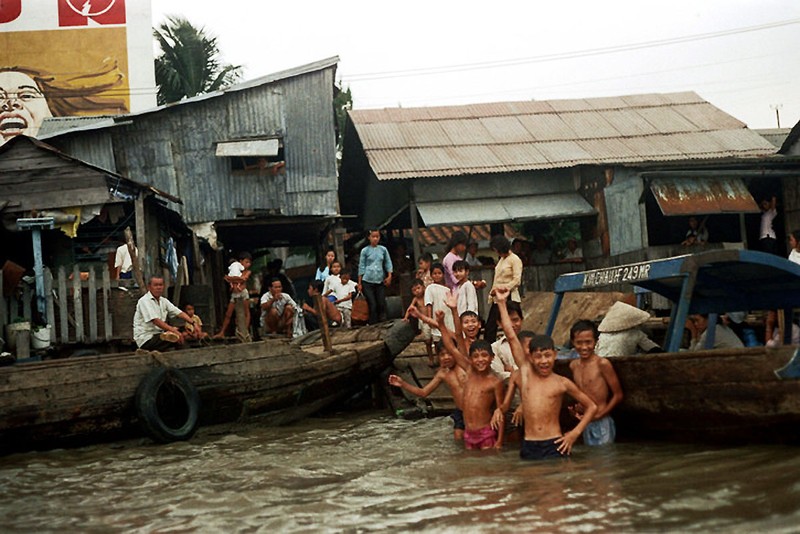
[168,405]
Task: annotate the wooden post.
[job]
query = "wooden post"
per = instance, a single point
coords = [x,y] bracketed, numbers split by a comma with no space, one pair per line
[176,295]
[62,304]
[137,270]
[323,323]
[23,344]
[51,311]
[107,326]
[141,237]
[3,307]
[199,272]
[92,306]
[412,211]
[26,302]
[338,241]
[743,230]
[77,299]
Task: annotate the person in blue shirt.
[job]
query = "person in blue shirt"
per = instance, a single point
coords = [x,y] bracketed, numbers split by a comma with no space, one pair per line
[374,272]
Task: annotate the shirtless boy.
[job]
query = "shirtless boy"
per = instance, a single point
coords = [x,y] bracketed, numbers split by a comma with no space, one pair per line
[469,321]
[483,391]
[450,374]
[417,302]
[595,376]
[542,393]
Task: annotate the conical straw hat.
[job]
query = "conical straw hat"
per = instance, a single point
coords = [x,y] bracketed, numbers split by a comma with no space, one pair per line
[622,316]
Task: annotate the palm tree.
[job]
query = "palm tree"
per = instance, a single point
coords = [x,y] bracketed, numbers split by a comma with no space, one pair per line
[189,63]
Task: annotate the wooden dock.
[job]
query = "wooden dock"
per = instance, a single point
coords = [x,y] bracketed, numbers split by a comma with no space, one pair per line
[412,366]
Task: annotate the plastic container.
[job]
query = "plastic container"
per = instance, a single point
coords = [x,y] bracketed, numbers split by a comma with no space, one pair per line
[40,339]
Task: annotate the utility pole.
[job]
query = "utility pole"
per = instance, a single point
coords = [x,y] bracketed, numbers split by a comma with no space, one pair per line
[777,108]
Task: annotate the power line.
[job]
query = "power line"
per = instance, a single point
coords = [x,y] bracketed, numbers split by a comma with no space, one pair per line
[446,69]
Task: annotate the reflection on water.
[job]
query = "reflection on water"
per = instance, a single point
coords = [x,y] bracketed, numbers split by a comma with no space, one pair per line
[371,472]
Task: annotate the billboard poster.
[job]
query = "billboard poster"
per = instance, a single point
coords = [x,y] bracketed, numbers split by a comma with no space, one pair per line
[62,58]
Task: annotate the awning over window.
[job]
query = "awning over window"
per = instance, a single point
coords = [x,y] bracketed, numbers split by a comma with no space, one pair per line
[255,147]
[702,196]
[524,208]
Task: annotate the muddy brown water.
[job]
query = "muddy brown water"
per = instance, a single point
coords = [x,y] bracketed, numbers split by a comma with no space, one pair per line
[370,472]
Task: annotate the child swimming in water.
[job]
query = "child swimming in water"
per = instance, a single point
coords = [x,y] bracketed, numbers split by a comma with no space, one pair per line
[542,393]
[450,374]
[483,391]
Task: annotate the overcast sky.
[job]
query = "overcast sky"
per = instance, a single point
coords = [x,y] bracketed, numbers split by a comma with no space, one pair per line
[741,55]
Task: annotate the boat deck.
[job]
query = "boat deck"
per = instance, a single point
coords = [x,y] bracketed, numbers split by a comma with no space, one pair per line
[412,366]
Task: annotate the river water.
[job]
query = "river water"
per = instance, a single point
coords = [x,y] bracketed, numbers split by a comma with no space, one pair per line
[368,471]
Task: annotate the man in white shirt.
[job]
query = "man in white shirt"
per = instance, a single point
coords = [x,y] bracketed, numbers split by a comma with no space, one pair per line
[150,328]
[767,237]
[123,264]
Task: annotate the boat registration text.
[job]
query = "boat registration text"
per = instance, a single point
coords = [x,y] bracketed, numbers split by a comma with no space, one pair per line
[617,275]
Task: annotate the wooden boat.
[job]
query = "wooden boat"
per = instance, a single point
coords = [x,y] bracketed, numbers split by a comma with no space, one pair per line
[73,401]
[729,395]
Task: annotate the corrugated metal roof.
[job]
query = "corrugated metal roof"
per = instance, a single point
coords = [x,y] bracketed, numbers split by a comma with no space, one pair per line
[522,208]
[440,235]
[531,135]
[702,196]
[776,136]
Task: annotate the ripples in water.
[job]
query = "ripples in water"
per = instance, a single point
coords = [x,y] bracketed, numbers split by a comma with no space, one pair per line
[371,472]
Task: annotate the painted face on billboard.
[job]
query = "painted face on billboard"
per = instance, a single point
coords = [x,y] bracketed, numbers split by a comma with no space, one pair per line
[22,105]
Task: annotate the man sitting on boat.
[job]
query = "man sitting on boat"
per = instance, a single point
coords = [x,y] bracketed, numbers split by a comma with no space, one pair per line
[277,310]
[620,334]
[724,337]
[150,328]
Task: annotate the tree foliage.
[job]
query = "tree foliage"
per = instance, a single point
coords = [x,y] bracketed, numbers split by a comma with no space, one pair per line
[342,102]
[189,63]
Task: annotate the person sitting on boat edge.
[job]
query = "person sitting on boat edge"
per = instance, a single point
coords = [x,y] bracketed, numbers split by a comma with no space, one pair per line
[724,337]
[596,377]
[193,329]
[449,373]
[150,328]
[310,313]
[277,310]
[620,334]
[542,392]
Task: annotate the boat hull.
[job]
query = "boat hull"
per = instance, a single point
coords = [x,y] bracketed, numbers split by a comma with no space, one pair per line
[729,396]
[80,400]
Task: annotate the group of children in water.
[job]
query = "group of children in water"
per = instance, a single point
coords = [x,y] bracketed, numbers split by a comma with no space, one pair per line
[483,383]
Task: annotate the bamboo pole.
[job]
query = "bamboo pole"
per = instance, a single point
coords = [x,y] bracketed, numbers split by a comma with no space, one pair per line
[323,323]
[137,270]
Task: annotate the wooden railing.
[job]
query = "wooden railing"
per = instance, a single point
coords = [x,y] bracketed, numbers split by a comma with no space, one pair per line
[77,310]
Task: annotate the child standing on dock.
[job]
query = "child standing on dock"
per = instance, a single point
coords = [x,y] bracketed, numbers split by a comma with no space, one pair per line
[542,393]
[464,290]
[483,392]
[333,279]
[435,297]
[596,376]
[344,291]
[374,275]
[450,374]
[237,277]
[424,271]
[418,303]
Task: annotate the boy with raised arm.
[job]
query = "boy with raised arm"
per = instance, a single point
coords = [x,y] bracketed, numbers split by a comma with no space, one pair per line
[542,393]
[483,392]
[450,374]
[595,376]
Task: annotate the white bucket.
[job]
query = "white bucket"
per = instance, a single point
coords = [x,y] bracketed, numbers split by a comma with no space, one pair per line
[40,339]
